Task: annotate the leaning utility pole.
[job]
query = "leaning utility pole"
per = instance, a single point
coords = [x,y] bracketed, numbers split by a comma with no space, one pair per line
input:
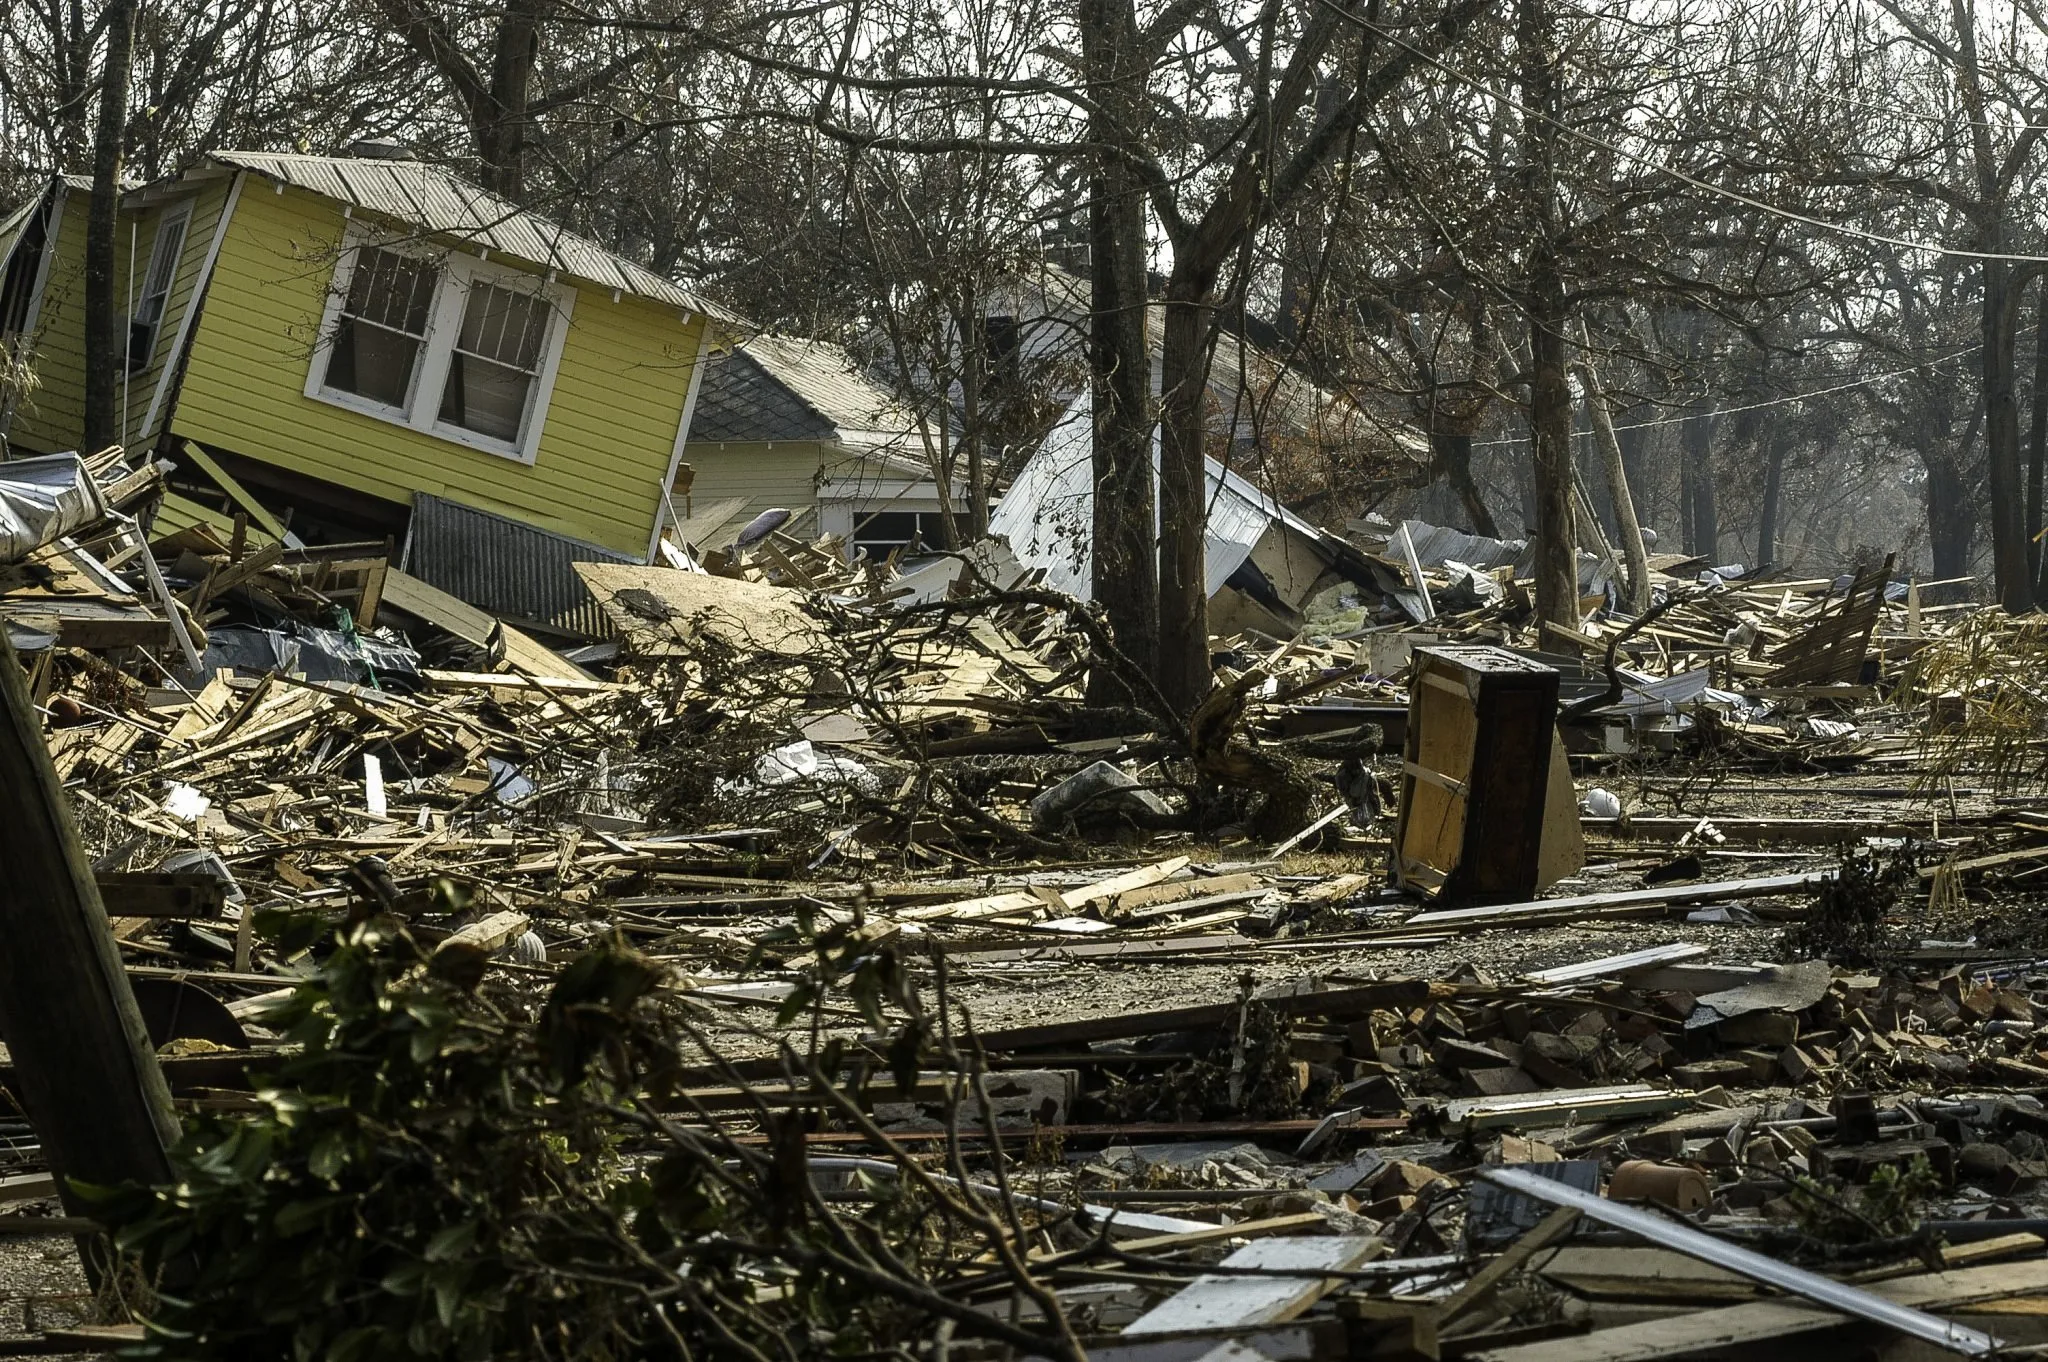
[83,1064]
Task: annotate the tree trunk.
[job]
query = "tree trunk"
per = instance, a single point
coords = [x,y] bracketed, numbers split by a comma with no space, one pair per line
[1951,519]
[1774,482]
[1125,580]
[1550,392]
[1454,457]
[105,350]
[1184,673]
[83,1065]
[2002,439]
[502,122]
[1627,527]
[2037,445]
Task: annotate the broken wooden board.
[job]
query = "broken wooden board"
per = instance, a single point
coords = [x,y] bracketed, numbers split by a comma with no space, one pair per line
[1220,1301]
[1719,891]
[1616,966]
[1761,1322]
[661,612]
[161,893]
[403,591]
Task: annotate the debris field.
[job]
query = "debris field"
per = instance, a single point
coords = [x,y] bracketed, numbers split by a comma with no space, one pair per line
[1668,987]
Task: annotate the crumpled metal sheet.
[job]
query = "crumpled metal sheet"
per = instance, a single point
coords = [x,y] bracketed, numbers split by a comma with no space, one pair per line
[42,500]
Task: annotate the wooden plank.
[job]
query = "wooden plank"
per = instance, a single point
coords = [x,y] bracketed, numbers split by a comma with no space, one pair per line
[1106,891]
[1614,965]
[1217,1234]
[1398,994]
[1718,891]
[504,681]
[1483,1283]
[161,894]
[236,492]
[1218,1301]
[403,591]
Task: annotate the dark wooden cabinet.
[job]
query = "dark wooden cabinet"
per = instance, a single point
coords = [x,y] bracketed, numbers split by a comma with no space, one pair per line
[1487,805]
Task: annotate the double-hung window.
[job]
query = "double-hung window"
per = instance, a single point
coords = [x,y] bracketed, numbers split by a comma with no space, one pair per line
[148,319]
[381,329]
[495,365]
[443,342]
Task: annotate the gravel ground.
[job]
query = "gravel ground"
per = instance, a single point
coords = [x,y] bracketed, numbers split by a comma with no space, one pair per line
[42,1285]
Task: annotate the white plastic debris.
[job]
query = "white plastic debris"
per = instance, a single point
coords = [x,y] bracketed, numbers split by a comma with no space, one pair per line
[185,802]
[1600,803]
[529,949]
[800,761]
[1830,728]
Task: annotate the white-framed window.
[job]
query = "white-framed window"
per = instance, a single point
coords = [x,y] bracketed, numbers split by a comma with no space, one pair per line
[147,322]
[443,342]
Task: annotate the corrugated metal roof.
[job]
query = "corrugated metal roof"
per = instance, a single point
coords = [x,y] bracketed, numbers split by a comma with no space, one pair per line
[504,566]
[429,197]
[791,388]
[1048,515]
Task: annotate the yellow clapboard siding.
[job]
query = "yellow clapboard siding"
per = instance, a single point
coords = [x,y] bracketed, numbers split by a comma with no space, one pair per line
[209,198]
[53,416]
[611,419]
[782,474]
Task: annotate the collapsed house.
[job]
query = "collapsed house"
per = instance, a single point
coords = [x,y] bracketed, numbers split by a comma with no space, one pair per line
[344,335]
[1264,563]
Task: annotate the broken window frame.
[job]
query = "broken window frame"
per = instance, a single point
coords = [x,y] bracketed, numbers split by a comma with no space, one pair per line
[146,326]
[457,273]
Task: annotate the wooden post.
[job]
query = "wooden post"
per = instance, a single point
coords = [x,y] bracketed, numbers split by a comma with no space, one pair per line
[83,1063]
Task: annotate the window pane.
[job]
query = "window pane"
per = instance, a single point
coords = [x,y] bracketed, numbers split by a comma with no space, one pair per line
[500,324]
[392,290]
[372,362]
[487,398]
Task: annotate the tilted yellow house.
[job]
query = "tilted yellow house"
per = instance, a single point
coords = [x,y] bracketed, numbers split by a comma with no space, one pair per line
[351,338]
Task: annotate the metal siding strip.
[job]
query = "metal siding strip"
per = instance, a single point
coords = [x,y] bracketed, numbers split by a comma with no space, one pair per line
[1956,1338]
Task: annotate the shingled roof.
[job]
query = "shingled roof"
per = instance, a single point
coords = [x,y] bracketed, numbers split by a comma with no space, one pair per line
[788,388]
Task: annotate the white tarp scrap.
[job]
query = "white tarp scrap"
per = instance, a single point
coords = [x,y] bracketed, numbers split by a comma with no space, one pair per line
[42,500]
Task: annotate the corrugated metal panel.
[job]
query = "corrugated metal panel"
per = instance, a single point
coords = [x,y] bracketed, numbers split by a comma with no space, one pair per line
[1048,515]
[505,567]
[428,197]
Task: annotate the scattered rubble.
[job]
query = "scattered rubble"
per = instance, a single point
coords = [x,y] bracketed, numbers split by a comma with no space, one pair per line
[1738,1041]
